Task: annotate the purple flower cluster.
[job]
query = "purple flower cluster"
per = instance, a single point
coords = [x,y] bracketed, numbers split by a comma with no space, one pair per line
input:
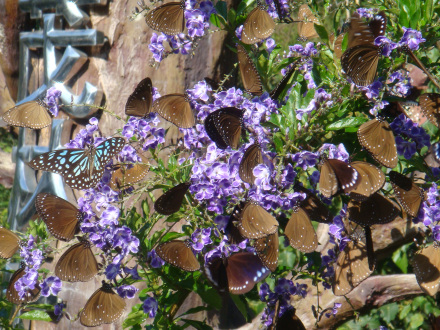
[284,8]
[367,13]
[372,91]
[197,20]
[335,152]
[334,311]
[200,238]
[127,291]
[387,46]
[225,249]
[52,99]
[284,289]
[400,83]
[322,99]
[409,136]
[430,212]
[411,38]
[51,285]
[85,136]
[145,130]
[306,52]
[154,260]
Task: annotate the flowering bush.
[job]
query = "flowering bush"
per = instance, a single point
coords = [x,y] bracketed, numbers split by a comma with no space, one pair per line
[316,117]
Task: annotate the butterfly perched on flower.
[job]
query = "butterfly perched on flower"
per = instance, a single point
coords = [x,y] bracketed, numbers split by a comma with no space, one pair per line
[168,18]
[80,168]
[32,114]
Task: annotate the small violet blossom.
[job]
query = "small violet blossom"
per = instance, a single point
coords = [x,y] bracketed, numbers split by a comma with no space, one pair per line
[51,285]
[150,307]
[411,38]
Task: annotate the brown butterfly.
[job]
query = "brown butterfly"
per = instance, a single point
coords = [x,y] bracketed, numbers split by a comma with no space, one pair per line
[176,109]
[312,205]
[377,209]
[251,158]
[372,179]
[407,193]
[168,18]
[32,114]
[140,101]
[430,104]
[125,176]
[12,294]
[249,74]
[432,157]
[171,201]
[9,243]
[288,320]
[300,232]
[306,26]
[337,175]
[426,264]
[257,26]
[179,254]
[267,250]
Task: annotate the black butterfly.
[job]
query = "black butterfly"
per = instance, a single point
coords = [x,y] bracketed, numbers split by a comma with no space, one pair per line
[426,264]
[61,218]
[140,101]
[251,158]
[377,137]
[249,74]
[9,243]
[77,264]
[372,179]
[267,250]
[171,201]
[430,104]
[179,254]
[168,18]
[408,194]
[12,294]
[337,175]
[361,58]
[238,273]
[300,232]
[32,114]
[258,26]
[377,209]
[103,307]
[225,127]
[80,168]
[176,109]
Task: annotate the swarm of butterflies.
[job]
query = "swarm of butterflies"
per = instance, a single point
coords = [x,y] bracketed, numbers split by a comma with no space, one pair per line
[363,184]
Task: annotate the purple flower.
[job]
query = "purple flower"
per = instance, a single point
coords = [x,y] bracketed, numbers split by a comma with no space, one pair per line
[58,311]
[200,238]
[132,272]
[150,306]
[335,308]
[372,91]
[305,159]
[366,12]
[334,152]
[405,148]
[270,45]
[127,291]
[156,46]
[52,98]
[196,22]
[112,271]
[51,285]
[387,45]
[27,282]
[411,38]
[155,260]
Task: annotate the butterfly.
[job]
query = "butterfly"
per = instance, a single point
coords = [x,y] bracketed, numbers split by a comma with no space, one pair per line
[176,109]
[125,176]
[288,320]
[32,114]
[377,137]
[337,175]
[179,254]
[337,48]
[238,273]
[351,268]
[372,179]
[168,18]
[61,217]
[249,74]
[255,222]
[312,205]
[140,101]
[407,193]
[306,26]
[103,307]
[267,250]
[426,264]
[377,209]
[432,157]
[251,158]
[225,127]
[300,232]
[361,58]
[80,168]
[277,91]
[12,294]
[77,264]
[9,243]
[171,201]
[430,104]
[258,26]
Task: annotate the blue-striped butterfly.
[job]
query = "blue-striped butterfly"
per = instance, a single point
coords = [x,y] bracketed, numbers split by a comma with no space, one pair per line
[80,168]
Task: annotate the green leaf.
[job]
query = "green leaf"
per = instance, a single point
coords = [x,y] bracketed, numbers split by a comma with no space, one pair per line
[37,315]
[404,312]
[416,321]
[134,318]
[211,297]
[322,32]
[197,324]
[146,208]
[171,235]
[217,21]
[346,122]
[240,305]
[389,312]
[428,10]
[222,9]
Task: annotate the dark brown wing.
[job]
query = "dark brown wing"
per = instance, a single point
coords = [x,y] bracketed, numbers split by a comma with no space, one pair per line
[335,175]
[426,264]
[300,232]
[312,205]
[257,26]
[255,222]
[249,74]
[251,158]
[125,176]
[140,101]
[430,104]
[176,109]
[372,179]
[267,250]
[12,294]
[377,137]
[9,243]
[306,28]
[179,254]
[171,201]
[360,63]
[77,264]
[377,209]
[168,18]
[408,193]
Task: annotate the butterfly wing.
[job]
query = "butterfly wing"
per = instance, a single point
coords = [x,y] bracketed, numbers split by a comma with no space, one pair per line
[300,232]
[103,307]
[276,93]
[288,320]
[178,254]
[359,32]
[61,218]
[229,124]
[176,109]
[377,209]
[312,205]
[337,174]
[77,264]
[168,18]
[33,114]
[171,201]
[432,158]
[426,264]
[306,28]
[125,176]
[377,137]
[430,104]
[360,63]
[372,179]
[408,194]
[140,101]
[257,26]
[249,74]
[338,45]
[9,243]
[251,158]
[255,222]
[12,294]
[267,250]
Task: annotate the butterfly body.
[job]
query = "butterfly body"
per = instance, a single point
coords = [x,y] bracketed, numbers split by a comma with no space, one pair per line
[300,232]
[372,179]
[171,201]
[33,114]
[377,209]
[251,158]
[267,250]
[430,104]
[306,26]
[255,222]
[225,127]
[80,168]
[426,264]
[12,294]
[125,176]
[408,193]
